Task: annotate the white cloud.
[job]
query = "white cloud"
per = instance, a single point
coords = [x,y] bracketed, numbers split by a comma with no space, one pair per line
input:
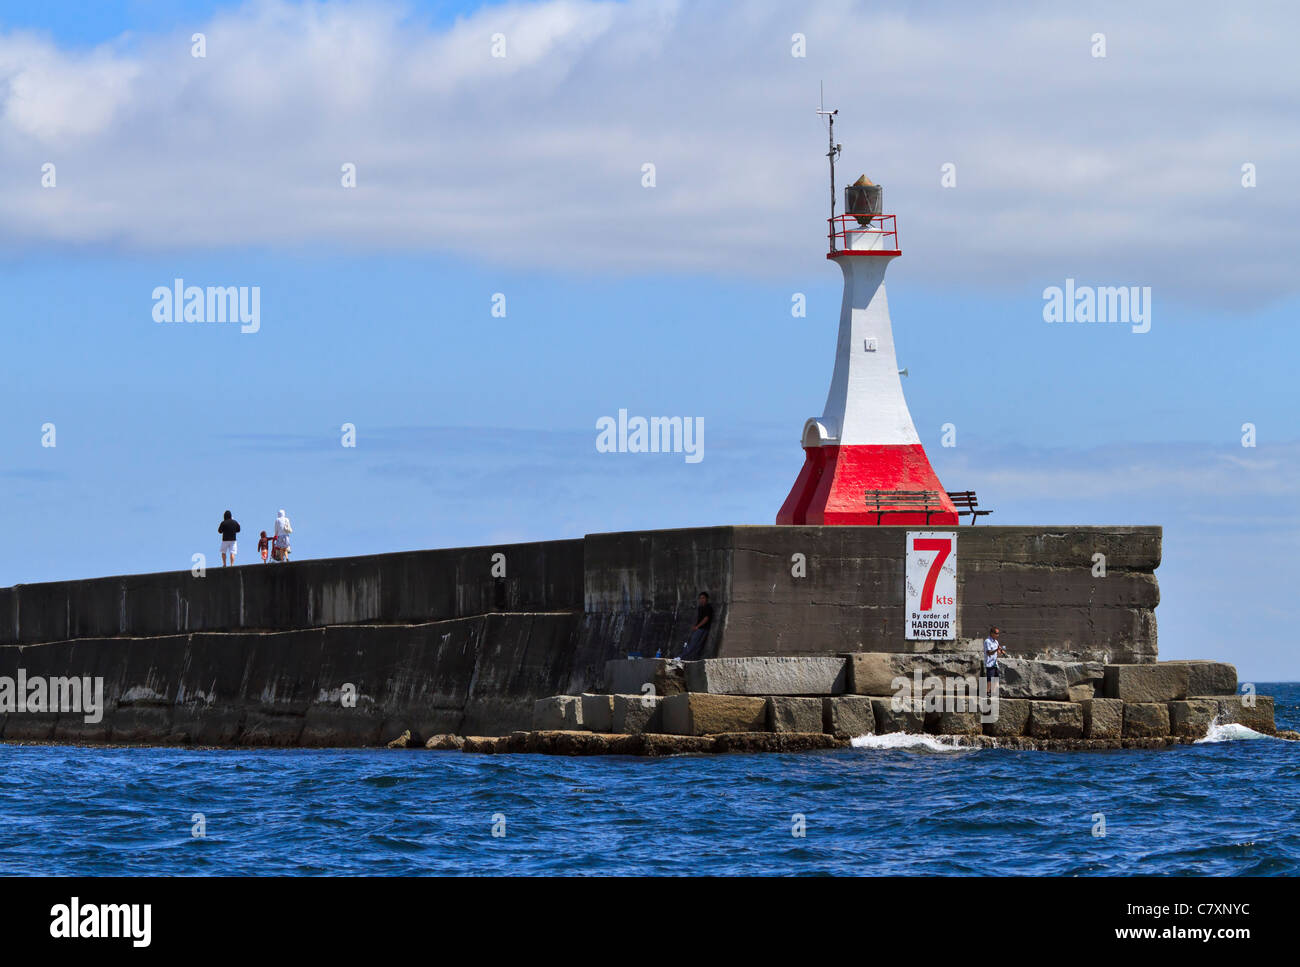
[53,98]
[1117,170]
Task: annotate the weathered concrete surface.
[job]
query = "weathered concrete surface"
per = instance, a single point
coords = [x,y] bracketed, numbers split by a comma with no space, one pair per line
[1047,680]
[1103,718]
[557,712]
[1163,682]
[1146,720]
[875,673]
[1055,720]
[641,589]
[1010,717]
[1206,677]
[954,723]
[697,713]
[1192,717]
[629,676]
[1036,583]
[638,713]
[413,587]
[291,688]
[768,675]
[910,718]
[1232,709]
[848,716]
[598,712]
[786,714]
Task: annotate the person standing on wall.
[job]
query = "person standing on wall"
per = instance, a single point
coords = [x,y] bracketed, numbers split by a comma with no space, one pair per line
[282,531]
[228,528]
[700,632]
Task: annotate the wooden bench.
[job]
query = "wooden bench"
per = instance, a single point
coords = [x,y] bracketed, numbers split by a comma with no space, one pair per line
[966,498]
[901,501]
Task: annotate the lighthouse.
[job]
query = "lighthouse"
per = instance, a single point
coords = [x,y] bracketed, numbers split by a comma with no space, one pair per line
[863,461]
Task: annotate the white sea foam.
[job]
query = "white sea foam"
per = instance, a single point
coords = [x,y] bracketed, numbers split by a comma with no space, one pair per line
[907,740]
[1229,732]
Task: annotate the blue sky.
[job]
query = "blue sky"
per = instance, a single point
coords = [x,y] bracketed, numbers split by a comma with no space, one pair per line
[473,429]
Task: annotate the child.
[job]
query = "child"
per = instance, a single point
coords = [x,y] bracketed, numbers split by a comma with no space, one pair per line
[264,546]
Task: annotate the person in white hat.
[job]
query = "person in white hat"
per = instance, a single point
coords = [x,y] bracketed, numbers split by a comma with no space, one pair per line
[282,531]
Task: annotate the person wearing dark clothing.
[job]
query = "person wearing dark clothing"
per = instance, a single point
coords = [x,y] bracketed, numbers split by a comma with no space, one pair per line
[700,633]
[228,528]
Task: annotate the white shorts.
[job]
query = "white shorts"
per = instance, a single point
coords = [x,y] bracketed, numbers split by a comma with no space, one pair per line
[229,547]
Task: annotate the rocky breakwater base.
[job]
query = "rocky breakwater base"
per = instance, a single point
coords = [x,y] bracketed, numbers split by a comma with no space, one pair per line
[784,704]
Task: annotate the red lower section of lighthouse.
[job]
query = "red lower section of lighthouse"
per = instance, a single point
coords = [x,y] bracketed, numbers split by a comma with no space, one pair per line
[834,481]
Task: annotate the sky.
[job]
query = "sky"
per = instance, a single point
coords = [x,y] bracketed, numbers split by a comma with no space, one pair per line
[505,273]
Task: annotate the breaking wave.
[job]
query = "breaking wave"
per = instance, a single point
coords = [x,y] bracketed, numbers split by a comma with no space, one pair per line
[1229,732]
[909,740]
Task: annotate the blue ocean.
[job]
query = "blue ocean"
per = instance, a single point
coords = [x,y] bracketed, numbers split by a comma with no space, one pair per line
[1229,805]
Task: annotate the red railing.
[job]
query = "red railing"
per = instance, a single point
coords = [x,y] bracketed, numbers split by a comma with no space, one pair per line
[882,225]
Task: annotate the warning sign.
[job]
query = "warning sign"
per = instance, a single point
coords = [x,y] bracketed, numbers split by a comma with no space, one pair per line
[931,593]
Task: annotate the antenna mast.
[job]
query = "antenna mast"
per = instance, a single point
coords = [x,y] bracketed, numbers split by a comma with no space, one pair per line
[832,152]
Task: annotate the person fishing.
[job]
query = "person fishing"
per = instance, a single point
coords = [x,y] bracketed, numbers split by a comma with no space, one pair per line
[700,631]
[992,650]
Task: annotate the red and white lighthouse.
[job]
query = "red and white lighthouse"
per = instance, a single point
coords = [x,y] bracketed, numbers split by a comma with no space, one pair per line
[863,461]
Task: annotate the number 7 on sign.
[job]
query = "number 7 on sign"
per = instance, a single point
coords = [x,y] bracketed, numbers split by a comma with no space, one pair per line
[944,547]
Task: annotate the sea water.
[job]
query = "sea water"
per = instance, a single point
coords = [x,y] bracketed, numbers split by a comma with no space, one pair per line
[893,804]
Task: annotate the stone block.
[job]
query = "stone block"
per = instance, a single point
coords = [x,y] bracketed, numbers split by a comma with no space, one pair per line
[954,723]
[1010,716]
[848,716]
[1258,718]
[788,714]
[445,742]
[874,673]
[1046,680]
[1146,684]
[597,712]
[775,742]
[908,718]
[1080,693]
[557,712]
[1191,718]
[1055,720]
[776,675]
[1209,677]
[1146,720]
[1103,718]
[486,744]
[629,676]
[699,713]
[634,714]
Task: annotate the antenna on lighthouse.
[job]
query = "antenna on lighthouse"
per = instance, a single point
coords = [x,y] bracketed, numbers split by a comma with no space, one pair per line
[832,150]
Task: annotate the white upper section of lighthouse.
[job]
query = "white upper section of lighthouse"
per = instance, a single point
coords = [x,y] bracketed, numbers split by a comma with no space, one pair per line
[865,404]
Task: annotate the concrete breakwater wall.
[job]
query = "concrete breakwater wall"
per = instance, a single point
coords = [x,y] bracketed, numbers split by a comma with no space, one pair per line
[354,651]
